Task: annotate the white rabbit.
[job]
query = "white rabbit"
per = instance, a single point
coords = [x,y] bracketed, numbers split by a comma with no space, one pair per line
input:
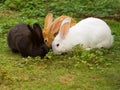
[90,33]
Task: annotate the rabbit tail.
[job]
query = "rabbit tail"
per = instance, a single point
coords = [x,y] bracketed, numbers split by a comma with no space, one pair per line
[112,39]
[106,44]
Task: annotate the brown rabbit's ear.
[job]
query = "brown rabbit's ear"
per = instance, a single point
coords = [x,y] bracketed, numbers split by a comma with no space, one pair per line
[56,26]
[48,21]
[73,22]
[64,28]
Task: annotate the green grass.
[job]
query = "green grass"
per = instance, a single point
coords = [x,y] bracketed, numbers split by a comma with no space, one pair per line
[98,69]
[77,8]
[90,70]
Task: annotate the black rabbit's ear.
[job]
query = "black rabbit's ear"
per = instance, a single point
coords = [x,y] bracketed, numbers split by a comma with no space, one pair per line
[38,30]
[30,28]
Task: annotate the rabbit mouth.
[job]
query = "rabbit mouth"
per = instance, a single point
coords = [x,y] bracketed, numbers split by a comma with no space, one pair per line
[59,52]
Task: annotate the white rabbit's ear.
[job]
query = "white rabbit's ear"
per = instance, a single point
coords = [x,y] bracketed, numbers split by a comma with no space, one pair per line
[48,21]
[64,28]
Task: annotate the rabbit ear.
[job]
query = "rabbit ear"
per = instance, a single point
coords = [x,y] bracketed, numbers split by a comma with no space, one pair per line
[37,29]
[56,25]
[48,21]
[64,28]
[38,33]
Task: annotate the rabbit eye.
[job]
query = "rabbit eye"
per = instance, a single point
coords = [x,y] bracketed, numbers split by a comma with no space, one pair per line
[45,40]
[57,45]
[55,34]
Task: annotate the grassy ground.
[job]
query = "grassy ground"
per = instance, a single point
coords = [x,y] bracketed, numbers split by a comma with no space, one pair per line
[81,70]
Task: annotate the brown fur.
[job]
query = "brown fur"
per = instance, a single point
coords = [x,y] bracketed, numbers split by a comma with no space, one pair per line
[51,29]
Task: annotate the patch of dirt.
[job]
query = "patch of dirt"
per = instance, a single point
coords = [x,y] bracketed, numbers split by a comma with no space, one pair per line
[3,87]
[66,78]
[7,13]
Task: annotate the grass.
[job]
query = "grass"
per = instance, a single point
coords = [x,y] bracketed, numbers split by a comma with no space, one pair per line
[98,69]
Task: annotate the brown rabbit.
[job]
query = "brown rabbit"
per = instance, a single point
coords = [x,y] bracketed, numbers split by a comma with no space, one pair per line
[51,28]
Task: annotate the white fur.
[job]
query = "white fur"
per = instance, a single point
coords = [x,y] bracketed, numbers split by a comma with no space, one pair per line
[90,32]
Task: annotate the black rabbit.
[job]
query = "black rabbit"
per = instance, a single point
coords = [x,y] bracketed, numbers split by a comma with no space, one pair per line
[27,40]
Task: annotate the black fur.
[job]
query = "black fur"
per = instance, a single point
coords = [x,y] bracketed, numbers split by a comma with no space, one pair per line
[27,40]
